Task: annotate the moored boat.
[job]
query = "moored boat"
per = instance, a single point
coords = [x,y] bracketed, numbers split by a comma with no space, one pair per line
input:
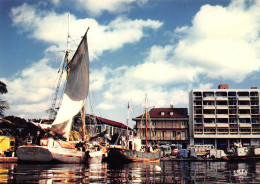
[50,148]
[94,153]
[119,154]
[133,150]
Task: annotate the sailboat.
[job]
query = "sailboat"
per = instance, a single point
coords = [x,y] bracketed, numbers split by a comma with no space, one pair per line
[133,150]
[51,149]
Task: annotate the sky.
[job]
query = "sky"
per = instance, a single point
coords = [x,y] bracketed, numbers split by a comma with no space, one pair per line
[162,48]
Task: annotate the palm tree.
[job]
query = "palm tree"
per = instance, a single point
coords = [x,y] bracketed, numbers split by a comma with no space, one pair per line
[3,103]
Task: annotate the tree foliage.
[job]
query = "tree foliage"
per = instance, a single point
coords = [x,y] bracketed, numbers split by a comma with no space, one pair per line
[3,103]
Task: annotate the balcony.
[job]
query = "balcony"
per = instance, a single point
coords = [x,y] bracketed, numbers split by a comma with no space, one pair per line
[209,133]
[209,125]
[197,98]
[208,107]
[209,115]
[245,125]
[166,138]
[244,106]
[244,116]
[244,98]
[222,116]
[209,98]
[221,107]
[223,98]
[222,125]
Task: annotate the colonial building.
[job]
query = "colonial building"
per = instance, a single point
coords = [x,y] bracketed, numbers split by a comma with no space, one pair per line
[223,116]
[167,126]
[113,128]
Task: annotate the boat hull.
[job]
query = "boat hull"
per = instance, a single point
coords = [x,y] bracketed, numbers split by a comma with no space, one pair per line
[126,155]
[94,157]
[43,154]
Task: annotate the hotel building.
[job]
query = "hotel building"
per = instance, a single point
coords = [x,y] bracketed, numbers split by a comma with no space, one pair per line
[223,116]
[167,126]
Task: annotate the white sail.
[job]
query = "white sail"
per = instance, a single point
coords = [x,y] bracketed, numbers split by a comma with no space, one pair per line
[76,90]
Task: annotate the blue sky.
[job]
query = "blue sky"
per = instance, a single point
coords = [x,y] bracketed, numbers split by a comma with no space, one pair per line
[163,48]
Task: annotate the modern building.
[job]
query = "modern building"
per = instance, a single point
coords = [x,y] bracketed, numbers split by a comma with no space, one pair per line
[167,126]
[223,116]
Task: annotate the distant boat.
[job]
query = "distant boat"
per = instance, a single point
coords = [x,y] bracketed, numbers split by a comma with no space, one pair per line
[133,150]
[73,100]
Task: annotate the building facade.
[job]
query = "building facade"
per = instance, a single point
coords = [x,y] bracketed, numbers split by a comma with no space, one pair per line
[113,128]
[223,116]
[167,126]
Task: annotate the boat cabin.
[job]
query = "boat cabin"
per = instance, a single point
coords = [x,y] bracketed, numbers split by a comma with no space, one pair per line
[51,143]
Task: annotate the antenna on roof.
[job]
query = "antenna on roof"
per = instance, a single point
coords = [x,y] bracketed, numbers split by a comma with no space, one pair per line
[171,104]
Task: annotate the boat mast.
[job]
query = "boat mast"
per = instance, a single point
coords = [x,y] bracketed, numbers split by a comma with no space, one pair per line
[68,46]
[146,107]
[127,119]
[83,122]
[68,59]
[64,63]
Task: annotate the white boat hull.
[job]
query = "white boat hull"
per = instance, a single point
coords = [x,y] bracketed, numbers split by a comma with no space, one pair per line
[34,153]
[95,157]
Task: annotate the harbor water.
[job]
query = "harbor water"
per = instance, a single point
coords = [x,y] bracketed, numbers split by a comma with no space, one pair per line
[163,172]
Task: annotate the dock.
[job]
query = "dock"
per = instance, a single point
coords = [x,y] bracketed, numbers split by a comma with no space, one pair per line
[8,159]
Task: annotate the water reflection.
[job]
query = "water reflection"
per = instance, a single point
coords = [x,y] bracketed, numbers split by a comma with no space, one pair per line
[171,172]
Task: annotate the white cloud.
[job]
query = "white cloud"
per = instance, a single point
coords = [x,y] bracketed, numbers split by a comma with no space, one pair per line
[106,106]
[98,78]
[205,86]
[222,41]
[31,90]
[96,7]
[161,67]
[55,2]
[52,28]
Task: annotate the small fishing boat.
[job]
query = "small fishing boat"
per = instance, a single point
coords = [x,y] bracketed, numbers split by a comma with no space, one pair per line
[133,150]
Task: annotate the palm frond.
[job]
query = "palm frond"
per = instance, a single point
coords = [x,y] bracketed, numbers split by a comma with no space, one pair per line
[3,88]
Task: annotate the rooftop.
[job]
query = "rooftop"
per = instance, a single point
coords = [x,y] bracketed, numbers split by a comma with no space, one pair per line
[166,113]
[111,122]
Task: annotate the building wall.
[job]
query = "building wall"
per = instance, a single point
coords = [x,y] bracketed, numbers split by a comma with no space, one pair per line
[166,131]
[230,114]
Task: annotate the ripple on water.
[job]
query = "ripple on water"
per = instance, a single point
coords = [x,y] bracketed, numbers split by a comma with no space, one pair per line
[169,172]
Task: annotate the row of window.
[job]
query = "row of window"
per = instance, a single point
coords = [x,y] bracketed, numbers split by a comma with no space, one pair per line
[226,103]
[225,93]
[226,111]
[165,133]
[226,130]
[166,138]
[164,124]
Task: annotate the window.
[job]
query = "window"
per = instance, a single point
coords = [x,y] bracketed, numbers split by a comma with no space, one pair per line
[163,133]
[154,133]
[154,124]
[183,134]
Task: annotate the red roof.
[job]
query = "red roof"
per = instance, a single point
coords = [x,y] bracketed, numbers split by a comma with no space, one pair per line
[110,122]
[167,113]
